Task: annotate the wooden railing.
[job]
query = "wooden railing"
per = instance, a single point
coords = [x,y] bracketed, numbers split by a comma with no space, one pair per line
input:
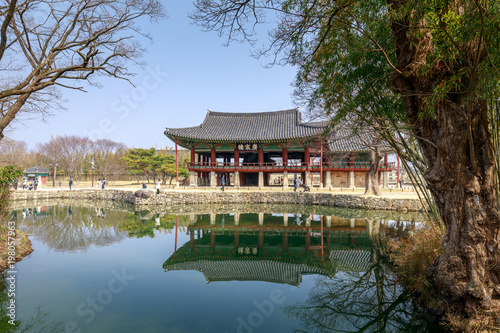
[315,167]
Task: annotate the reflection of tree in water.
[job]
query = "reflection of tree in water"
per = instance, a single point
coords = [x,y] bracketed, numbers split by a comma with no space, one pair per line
[72,228]
[369,301]
[40,323]
[147,222]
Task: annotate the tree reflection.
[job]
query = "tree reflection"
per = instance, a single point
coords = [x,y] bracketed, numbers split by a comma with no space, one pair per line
[71,228]
[369,301]
[146,223]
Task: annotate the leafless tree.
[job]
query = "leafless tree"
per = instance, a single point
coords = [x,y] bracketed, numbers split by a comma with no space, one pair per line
[46,45]
[107,156]
[13,152]
[70,152]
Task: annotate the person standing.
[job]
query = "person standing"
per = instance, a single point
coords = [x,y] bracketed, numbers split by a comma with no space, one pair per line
[158,186]
[223,183]
[103,183]
[70,183]
[295,184]
[15,184]
[35,184]
[99,183]
[24,183]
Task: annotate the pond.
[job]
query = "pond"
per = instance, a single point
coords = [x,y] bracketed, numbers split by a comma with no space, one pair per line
[269,268]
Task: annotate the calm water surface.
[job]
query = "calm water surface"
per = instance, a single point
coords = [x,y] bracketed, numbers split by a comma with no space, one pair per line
[207,269]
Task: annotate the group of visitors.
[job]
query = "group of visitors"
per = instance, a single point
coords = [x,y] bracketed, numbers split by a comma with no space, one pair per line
[101,183]
[26,185]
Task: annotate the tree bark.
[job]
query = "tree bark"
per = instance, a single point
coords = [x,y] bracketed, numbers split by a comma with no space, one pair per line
[372,186]
[457,144]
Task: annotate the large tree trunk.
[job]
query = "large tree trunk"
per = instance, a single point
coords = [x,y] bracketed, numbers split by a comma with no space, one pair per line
[372,186]
[457,144]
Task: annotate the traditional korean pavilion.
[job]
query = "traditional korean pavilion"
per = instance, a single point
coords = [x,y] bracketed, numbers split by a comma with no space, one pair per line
[271,149]
[277,249]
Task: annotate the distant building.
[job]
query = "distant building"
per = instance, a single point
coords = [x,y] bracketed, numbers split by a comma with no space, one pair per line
[271,149]
[38,173]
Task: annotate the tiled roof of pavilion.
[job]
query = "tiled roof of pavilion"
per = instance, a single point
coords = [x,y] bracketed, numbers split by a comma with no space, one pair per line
[250,127]
[249,270]
[36,169]
[345,140]
[354,260]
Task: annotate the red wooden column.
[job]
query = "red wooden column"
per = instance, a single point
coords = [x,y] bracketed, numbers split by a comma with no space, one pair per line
[193,158]
[176,228]
[321,164]
[176,164]
[307,156]
[212,156]
[285,156]
[236,157]
[261,156]
[322,248]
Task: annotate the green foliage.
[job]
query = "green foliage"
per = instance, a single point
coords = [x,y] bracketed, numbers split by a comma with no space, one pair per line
[138,226]
[139,159]
[155,162]
[7,175]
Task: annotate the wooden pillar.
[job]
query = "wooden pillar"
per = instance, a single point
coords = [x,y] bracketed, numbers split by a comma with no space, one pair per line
[321,166]
[193,156]
[285,156]
[212,156]
[306,155]
[261,156]
[176,165]
[236,239]
[261,239]
[236,158]
[212,240]
[285,241]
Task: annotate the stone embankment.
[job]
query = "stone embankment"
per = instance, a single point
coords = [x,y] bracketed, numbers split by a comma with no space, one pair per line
[171,198]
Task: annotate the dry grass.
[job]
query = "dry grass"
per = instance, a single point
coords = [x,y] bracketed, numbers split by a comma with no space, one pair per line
[484,321]
[23,247]
[412,254]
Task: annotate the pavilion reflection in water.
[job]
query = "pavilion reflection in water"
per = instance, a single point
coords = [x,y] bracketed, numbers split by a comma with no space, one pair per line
[278,248]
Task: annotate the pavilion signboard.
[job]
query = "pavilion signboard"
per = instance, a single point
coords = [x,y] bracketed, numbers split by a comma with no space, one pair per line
[248,146]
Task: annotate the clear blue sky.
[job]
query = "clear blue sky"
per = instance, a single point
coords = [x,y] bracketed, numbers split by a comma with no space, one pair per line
[194,73]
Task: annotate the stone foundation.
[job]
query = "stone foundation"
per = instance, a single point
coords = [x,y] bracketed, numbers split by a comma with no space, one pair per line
[172,198]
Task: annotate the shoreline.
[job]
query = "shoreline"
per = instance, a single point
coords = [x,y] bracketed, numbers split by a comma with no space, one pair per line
[388,201]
